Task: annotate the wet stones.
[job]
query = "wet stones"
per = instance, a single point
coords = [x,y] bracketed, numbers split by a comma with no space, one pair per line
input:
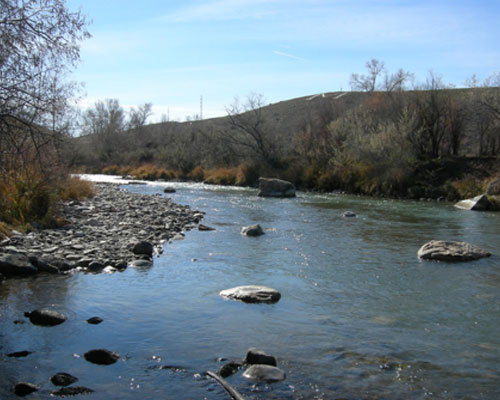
[252,230]
[101,357]
[63,379]
[252,294]
[45,317]
[110,230]
[441,250]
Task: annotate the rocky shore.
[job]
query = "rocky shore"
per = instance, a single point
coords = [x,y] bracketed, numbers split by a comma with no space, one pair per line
[111,231]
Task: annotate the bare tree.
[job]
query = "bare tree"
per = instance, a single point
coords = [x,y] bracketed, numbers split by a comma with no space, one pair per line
[368,83]
[138,117]
[248,131]
[39,44]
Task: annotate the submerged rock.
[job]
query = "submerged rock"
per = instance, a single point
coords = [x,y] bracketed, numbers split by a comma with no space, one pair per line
[72,391]
[478,203]
[101,357]
[45,317]
[252,230]
[271,187]
[63,379]
[442,250]
[264,373]
[95,320]
[256,356]
[252,294]
[18,354]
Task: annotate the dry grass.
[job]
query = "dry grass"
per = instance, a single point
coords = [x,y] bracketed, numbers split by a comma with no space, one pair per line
[77,189]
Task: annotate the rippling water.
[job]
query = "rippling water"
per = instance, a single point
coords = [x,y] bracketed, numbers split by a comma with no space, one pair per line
[360,316]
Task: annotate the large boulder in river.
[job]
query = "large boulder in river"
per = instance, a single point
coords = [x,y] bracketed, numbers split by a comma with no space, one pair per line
[252,294]
[271,187]
[16,264]
[264,373]
[442,250]
[478,203]
[44,317]
[252,230]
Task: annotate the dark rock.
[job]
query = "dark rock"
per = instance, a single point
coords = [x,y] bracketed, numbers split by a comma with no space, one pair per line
[269,187]
[95,320]
[43,266]
[46,317]
[101,356]
[169,190]
[441,250]
[143,248]
[255,356]
[478,203]
[18,354]
[229,369]
[264,373]
[202,227]
[95,266]
[25,388]
[16,264]
[63,379]
[19,322]
[72,391]
[252,230]
[348,214]
[252,294]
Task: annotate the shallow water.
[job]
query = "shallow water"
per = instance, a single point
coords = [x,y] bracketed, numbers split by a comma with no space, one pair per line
[360,316]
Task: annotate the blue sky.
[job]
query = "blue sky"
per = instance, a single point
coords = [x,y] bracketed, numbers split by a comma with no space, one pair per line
[171,53]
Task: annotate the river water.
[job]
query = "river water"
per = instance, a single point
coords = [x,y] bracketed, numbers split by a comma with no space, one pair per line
[360,316]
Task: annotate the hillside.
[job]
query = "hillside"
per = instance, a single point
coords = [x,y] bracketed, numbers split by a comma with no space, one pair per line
[391,143]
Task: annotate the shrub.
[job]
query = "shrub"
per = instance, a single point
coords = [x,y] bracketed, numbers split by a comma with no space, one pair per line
[469,187]
[221,176]
[197,174]
[76,189]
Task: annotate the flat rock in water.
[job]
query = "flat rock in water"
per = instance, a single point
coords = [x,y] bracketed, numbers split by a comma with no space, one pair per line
[442,250]
[141,263]
[101,357]
[19,354]
[16,264]
[348,214]
[256,356]
[264,373]
[202,227]
[95,320]
[44,317]
[63,379]
[478,203]
[169,189]
[252,230]
[252,294]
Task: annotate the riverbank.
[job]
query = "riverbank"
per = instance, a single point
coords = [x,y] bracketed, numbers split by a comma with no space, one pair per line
[101,233]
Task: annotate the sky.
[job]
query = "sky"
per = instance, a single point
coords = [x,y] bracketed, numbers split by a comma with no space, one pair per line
[195,57]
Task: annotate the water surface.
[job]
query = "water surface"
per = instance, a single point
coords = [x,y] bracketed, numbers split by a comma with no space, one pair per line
[360,316]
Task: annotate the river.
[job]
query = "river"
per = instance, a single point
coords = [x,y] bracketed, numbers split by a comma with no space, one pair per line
[361,317]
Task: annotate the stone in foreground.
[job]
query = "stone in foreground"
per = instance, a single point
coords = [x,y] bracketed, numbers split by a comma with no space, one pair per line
[478,203]
[101,357]
[252,294]
[264,373]
[71,391]
[252,230]
[44,317]
[270,187]
[256,356]
[442,250]
[22,389]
